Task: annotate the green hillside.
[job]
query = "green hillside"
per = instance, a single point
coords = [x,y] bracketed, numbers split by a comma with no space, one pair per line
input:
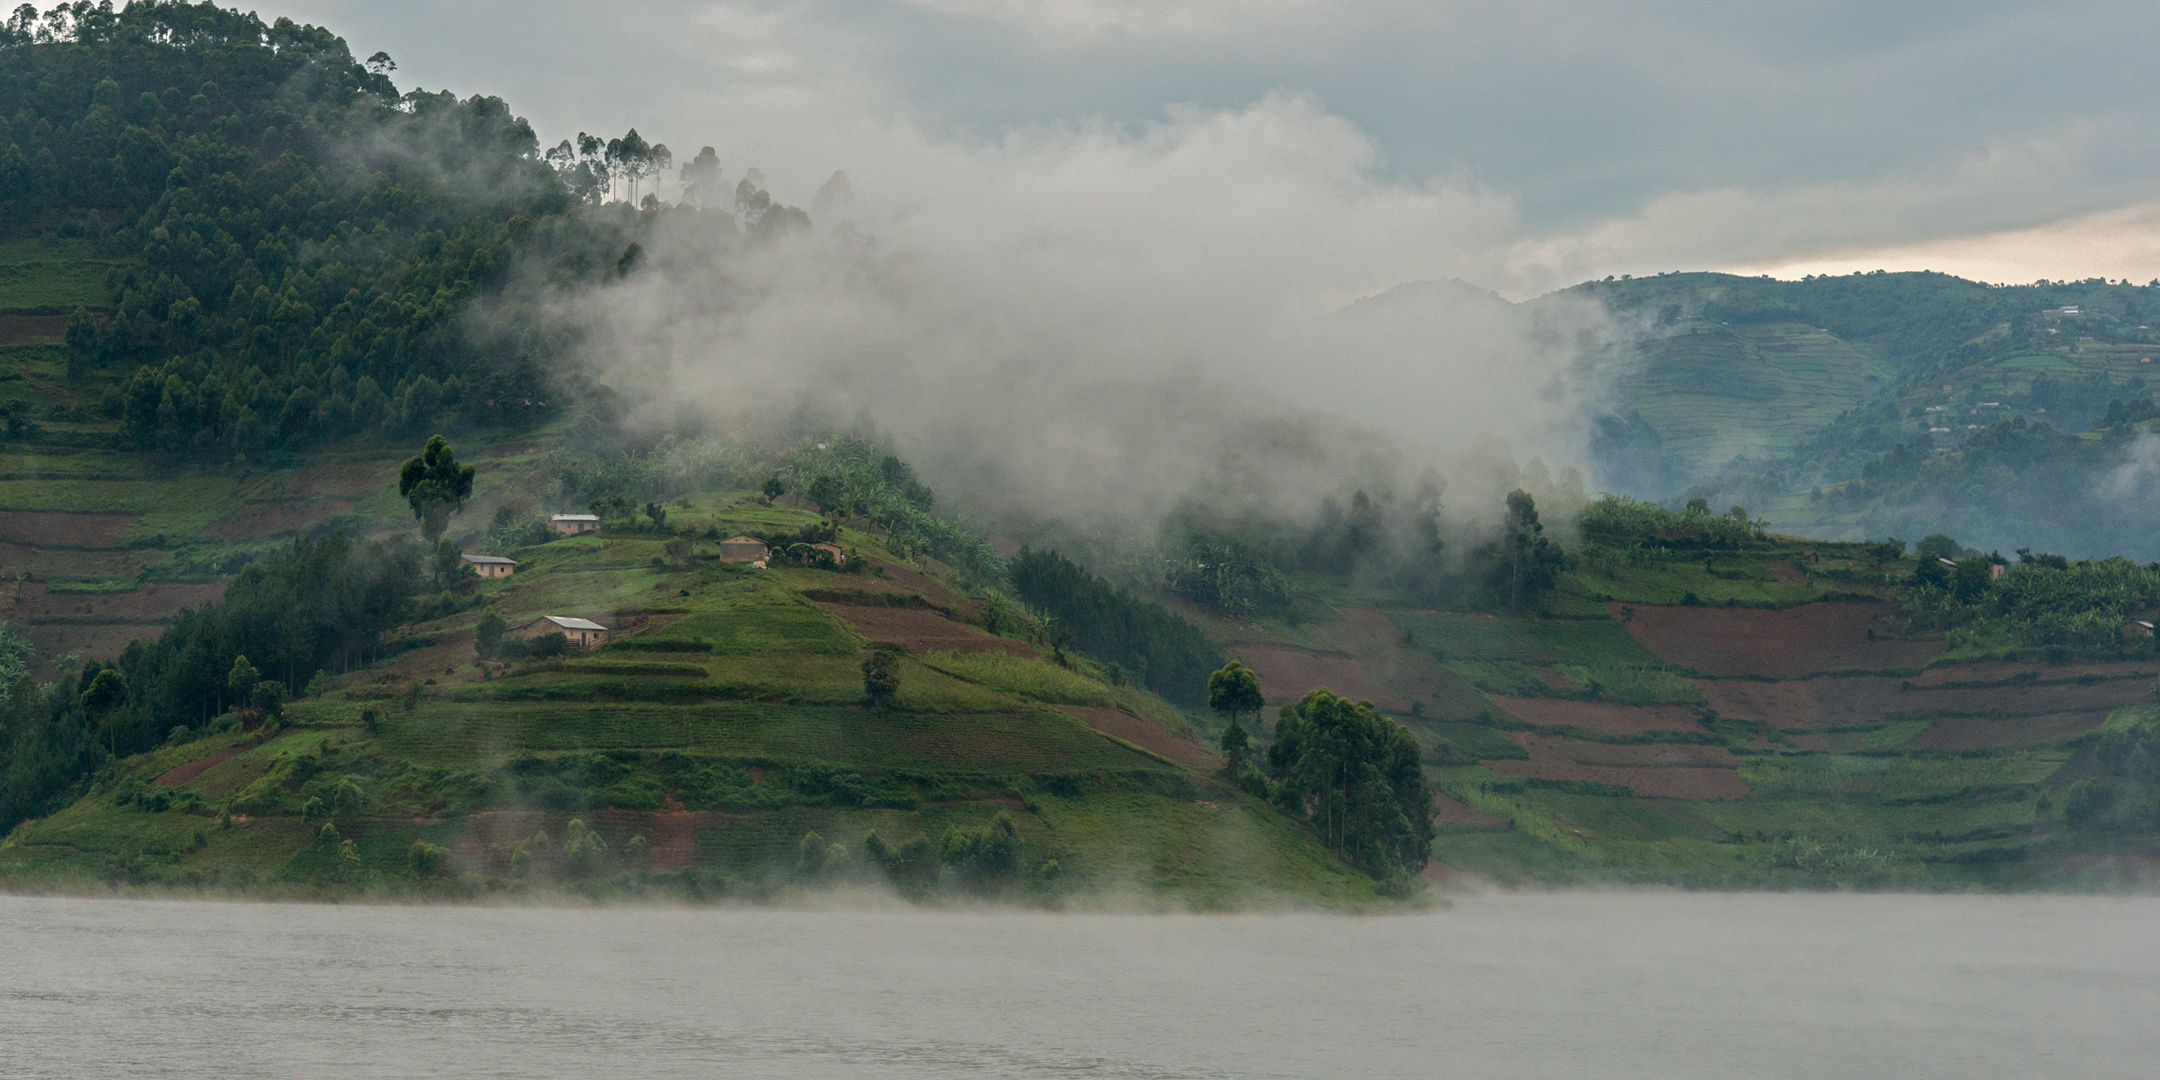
[1847,407]
[1714,391]
[241,651]
[722,725]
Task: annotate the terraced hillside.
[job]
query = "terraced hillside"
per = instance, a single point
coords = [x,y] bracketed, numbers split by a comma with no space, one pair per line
[722,725]
[1762,718]
[1715,391]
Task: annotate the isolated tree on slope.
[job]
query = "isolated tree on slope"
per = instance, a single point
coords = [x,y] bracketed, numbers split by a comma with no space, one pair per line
[1233,690]
[436,486]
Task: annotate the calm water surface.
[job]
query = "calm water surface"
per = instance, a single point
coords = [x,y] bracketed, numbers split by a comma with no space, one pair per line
[1573,985]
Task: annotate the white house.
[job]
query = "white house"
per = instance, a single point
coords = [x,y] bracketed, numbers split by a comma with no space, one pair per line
[573,524]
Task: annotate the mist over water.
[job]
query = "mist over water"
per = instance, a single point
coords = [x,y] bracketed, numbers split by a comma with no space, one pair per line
[1557,985]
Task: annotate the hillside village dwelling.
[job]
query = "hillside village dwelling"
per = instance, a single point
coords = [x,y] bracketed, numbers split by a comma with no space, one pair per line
[573,524]
[747,549]
[583,633]
[2137,628]
[490,566]
[839,557]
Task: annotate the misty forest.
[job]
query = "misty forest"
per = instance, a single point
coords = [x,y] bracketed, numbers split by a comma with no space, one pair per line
[398,502]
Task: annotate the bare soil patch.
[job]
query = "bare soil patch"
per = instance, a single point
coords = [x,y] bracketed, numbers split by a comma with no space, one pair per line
[76,564]
[272,518]
[32,330]
[97,641]
[1287,674]
[224,777]
[181,774]
[923,630]
[1602,717]
[1449,811]
[149,604]
[1809,704]
[904,580]
[325,477]
[1789,643]
[1561,759]
[2018,733]
[54,528]
[1404,672]
[1442,876]
[1143,733]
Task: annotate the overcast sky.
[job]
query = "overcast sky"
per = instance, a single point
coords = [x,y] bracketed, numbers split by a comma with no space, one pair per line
[2008,141]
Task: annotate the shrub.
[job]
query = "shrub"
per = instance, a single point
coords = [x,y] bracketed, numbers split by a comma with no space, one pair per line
[983,860]
[426,859]
[881,674]
[488,635]
[583,849]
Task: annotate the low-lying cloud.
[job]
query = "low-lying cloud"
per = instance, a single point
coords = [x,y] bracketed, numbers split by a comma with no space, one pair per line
[1076,321]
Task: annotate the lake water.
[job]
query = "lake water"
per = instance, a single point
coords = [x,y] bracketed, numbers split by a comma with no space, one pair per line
[1568,985]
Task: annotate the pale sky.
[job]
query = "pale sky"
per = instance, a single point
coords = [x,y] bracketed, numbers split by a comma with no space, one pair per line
[2009,141]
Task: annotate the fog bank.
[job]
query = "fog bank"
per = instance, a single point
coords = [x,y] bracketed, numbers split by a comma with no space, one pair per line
[1080,321]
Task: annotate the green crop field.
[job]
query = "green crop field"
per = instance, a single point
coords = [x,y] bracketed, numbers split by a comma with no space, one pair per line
[1714,392]
[54,276]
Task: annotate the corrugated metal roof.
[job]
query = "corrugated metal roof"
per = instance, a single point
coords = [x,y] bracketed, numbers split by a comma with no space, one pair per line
[490,559]
[572,622]
[573,517]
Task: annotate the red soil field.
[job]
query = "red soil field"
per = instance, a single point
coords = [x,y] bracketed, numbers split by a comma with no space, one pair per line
[1287,674]
[75,563]
[53,528]
[1403,671]
[32,330]
[1442,876]
[1957,733]
[224,777]
[104,641]
[1450,812]
[181,774]
[1781,644]
[272,518]
[1602,717]
[1679,772]
[1837,702]
[923,630]
[1143,733]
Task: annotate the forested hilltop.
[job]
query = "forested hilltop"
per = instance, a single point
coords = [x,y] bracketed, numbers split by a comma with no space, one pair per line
[299,251]
[1908,403]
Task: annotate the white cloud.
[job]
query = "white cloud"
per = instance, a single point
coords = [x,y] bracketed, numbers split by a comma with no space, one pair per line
[1077,317]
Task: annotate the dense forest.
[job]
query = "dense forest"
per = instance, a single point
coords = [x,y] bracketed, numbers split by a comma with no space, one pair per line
[320,255]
